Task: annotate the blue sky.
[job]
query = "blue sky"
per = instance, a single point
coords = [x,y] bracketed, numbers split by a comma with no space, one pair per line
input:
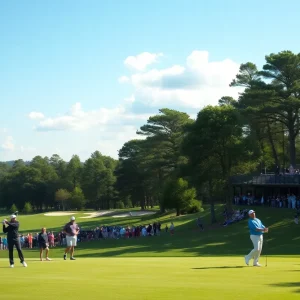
[80,76]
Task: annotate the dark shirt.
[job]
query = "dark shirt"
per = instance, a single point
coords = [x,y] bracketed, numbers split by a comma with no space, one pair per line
[71,228]
[12,230]
[43,238]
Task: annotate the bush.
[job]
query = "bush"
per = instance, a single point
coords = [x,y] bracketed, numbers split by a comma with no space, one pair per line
[27,208]
[13,208]
[77,199]
[120,205]
[127,202]
[194,207]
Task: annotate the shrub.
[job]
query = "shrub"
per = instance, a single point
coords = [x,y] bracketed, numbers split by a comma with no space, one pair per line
[120,205]
[27,208]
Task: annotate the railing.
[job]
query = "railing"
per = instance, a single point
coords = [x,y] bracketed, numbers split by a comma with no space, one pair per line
[266,179]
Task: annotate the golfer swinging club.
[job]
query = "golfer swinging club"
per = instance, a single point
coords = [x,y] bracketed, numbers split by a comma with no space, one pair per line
[257,229]
[12,228]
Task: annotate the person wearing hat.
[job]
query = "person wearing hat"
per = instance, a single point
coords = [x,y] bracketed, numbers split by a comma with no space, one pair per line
[257,229]
[12,230]
[71,230]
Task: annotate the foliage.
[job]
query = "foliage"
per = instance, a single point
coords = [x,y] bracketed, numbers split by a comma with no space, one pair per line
[62,196]
[178,195]
[77,199]
[27,208]
[120,205]
[13,209]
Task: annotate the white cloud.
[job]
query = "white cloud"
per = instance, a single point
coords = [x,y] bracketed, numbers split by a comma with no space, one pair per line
[130,99]
[123,79]
[8,144]
[197,84]
[34,115]
[79,120]
[3,130]
[142,60]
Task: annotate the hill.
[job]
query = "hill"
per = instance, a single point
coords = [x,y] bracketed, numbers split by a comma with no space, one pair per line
[216,240]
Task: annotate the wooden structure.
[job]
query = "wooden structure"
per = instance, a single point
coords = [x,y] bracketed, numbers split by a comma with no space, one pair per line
[266,185]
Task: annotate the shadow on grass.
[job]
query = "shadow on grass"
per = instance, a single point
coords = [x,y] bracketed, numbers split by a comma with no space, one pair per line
[221,267]
[288,285]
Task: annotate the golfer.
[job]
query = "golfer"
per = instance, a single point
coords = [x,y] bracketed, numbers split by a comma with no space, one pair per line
[71,230]
[12,230]
[257,229]
[43,244]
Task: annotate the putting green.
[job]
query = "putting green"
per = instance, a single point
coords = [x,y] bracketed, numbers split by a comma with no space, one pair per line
[151,278]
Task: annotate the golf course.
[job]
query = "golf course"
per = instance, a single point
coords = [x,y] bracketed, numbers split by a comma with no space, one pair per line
[191,264]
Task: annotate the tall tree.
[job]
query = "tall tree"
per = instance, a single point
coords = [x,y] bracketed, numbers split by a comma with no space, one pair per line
[278,99]
[218,136]
[162,156]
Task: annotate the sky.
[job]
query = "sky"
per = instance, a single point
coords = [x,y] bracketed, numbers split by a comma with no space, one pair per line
[80,76]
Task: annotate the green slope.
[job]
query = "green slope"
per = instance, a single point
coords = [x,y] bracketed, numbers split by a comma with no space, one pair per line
[283,238]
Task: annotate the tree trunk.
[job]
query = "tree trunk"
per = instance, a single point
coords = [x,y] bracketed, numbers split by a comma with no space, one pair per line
[292,146]
[212,204]
[177,211]
[272,143]
[292,139]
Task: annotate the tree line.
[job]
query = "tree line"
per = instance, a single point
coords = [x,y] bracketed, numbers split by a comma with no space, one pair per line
[177,161]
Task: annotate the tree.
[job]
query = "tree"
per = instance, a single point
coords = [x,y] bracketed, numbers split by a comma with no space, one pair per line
[178,195]
[77,199]
[278,99]
[13,209]
[27,208]
[62,196]
[73,170]
[218,139]
[227,100]
[130,175]
[162,154]
[98,180]
[263,127]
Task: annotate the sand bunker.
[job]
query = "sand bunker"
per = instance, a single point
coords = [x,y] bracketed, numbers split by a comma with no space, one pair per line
[100,213]
[95,214]
[59,214]
[134,214]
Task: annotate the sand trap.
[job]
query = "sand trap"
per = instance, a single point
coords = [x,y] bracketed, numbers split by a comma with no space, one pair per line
[95,214]
[59,214]
[134,214]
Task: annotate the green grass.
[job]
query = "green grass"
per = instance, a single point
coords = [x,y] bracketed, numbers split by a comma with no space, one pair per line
[191,264]
[151,278]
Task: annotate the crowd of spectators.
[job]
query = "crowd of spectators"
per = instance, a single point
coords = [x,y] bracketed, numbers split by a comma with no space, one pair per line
[279,201]
[234,216]
[102,232]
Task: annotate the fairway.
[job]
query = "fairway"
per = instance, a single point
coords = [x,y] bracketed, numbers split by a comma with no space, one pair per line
[151,278]
[189,265]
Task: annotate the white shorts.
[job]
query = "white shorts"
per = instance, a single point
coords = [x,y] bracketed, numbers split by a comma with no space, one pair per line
[71,241]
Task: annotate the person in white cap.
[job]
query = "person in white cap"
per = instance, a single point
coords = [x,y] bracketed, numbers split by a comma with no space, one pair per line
[71,229]
[12,230]
[257,229]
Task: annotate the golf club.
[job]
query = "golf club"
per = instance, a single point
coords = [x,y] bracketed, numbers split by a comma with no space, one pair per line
[265,249]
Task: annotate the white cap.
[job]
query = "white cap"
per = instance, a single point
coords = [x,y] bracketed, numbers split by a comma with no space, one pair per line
[73,218]
[13,216]
[251,211]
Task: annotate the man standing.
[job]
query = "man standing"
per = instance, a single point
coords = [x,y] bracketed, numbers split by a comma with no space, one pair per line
[200,224]
[43,244]
[71,230]
[257,229]
[12,230]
